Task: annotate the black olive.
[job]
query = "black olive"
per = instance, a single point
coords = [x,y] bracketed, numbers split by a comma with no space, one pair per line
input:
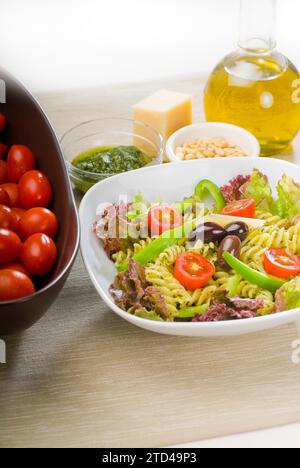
[238,229]
[231,244]
[208,232]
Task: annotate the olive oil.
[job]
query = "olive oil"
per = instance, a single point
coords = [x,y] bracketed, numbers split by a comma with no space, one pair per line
[256,87]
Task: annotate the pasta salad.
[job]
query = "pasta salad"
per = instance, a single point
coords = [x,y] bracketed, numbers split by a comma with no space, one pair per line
[224,253]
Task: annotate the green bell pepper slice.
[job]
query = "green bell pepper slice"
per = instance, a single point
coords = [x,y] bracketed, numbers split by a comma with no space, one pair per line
[207,187]
[183,205]
[161,243]
[270,283]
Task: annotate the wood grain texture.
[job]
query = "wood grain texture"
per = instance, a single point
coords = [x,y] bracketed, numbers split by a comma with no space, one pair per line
[82,377]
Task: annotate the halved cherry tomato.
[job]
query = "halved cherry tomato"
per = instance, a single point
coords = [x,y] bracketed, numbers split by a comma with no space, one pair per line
[8,219]
[39,254]
[15,285]
[13,193]
[35,190]
[3,150]
[10,246]
[2,122]
[193,271]
[163,218]
[3,172]
[241,208]
[38,220]
[20,159]
[281,263]
[4,198]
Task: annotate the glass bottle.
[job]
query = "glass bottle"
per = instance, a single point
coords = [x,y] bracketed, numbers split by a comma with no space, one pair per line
[256,87]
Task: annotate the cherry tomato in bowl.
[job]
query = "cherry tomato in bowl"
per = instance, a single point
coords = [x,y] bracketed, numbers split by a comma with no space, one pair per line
[281,263]
[3,172]
[193,271]
[34,190]
[16,267]
[38,220]
[2,122]
[13,193]
[19,212]
[39,254]
[241,208]
[15,285]
[20,159]
[163,218]
[10,246]
[4,197]
[3,150]
[8,219]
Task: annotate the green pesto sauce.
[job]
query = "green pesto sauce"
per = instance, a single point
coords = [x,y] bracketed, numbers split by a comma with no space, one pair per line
[111,159]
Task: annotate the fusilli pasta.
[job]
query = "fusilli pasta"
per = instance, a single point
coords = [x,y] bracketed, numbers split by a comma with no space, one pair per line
[175,294]
[120,257]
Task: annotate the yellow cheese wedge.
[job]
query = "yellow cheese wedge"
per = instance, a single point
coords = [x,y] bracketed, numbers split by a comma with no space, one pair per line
[165,111]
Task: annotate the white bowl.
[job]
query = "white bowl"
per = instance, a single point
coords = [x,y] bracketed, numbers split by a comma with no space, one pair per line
[231,133]
[172,182]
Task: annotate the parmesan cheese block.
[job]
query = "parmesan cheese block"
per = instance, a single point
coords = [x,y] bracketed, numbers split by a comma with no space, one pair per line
[224,220]
[165,111]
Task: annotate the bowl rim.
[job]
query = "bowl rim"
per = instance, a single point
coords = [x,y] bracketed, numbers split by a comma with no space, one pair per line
[59,277]
[94,175]
[217,326]
[170,145]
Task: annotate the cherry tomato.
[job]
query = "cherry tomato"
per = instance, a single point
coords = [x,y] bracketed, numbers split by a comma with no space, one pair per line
[10,246]
[2,122]
[163,218]
[39,254]
[3,172]
[193,271]
[20,159]
[13,193]
[14,285]
[240,208]
[4,198]
[3,150]
[8,219]
[281,263]
[16,267]
[35,190]
[18,212]
[38,220]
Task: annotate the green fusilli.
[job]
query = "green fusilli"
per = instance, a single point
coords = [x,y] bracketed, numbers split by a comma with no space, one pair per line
[169,256]
[202,296]
[175,295]
[120,257]
[209,251]
[260,240]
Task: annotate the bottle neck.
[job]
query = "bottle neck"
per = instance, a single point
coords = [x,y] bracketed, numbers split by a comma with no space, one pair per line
[257,26]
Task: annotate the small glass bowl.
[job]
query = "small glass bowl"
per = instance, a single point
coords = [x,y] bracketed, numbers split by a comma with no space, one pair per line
[108,132]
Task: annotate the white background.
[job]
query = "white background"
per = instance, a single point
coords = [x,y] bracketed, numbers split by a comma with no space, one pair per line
[59,44]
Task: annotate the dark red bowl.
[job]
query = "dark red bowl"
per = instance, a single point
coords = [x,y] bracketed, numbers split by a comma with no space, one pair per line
[27,124]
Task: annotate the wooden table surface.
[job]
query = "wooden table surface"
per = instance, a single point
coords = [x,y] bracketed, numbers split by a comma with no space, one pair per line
[84,377]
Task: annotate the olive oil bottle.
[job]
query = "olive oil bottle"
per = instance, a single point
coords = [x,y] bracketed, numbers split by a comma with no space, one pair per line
[256,87]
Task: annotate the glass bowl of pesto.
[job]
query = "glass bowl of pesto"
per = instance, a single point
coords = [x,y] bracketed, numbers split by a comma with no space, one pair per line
[98,149]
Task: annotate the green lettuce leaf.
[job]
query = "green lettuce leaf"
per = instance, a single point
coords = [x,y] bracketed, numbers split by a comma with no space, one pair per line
[139,208]
[147,314]
[288,296]
[287,205]
[259,189]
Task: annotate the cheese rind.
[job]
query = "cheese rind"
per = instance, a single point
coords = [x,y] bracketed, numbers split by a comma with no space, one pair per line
[165,111]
